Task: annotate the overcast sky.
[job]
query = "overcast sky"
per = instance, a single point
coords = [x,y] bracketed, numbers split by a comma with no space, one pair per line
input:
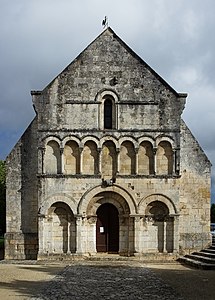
[39,38]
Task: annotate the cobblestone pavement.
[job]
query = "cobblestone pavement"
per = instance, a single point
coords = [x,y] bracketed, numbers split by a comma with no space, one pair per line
[95,280]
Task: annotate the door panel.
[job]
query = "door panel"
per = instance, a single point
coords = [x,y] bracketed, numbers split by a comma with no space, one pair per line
[107,229]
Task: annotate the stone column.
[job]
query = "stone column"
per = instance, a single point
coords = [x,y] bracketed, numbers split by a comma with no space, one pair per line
[99,160]
[79,242]
[164,236]
[117,161]
[68,234]
[61,161]
[122,235]
[136,161]
[80,160]
[155,160]
[92,235]
[137,232]
[41,234]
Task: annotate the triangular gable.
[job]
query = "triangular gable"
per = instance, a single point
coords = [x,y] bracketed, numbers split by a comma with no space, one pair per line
[109,31]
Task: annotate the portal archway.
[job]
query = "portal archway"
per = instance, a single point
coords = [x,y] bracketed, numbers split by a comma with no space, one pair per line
[109,226]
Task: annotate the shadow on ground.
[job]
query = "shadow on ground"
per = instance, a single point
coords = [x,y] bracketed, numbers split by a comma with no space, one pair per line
[25,281]
[109,280]
[189,282]
[91,281]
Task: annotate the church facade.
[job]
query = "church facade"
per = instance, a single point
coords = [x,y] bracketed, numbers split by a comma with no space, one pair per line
[107,165]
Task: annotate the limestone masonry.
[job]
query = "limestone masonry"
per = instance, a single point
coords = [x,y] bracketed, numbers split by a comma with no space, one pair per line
[107,165]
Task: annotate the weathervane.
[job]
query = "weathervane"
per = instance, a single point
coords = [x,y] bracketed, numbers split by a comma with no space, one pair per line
[105,22]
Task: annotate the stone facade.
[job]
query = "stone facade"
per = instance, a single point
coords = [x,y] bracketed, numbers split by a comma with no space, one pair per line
[107,165]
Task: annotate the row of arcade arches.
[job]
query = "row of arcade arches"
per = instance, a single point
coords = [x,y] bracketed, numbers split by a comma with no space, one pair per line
[110,229]
[109,160]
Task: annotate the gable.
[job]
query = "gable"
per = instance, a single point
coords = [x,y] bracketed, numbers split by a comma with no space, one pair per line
[193,156]
[108,64]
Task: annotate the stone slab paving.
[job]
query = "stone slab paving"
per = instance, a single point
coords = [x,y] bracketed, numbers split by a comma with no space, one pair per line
[97,280]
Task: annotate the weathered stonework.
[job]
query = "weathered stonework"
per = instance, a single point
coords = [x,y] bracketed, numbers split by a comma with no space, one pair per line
[107,165]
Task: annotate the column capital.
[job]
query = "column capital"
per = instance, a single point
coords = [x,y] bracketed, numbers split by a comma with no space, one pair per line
[154,150]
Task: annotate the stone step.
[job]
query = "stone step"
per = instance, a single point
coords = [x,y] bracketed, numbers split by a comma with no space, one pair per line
[209,250]
[196,263]
[205,259]
[206,254]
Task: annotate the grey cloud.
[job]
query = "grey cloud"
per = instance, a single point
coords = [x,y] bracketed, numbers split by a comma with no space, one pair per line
[39,38]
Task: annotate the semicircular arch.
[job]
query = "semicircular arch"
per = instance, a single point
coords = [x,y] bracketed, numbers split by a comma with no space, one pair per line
[51,139]
[142,206]
[164,138]
[100,97]
[70,138]
[146,139]
[118,193]
[60,197]
[90,139]
[128,139]
[109,138]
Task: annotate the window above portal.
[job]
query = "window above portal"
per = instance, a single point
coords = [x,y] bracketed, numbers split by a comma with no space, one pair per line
[108,113]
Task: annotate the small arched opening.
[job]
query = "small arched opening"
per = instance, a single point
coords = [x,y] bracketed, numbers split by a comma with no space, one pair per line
[161,229]
[60,228]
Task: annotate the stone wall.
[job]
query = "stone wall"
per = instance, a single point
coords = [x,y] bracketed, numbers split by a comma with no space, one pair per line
[76,156]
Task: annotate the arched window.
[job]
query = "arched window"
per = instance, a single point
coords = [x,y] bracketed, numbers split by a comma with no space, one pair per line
[52,163]
[108,114]
[108,110]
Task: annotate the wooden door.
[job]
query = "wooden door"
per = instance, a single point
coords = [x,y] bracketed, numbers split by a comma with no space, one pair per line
[107,229]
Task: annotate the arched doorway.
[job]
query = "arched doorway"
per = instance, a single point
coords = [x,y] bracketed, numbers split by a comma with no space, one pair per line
[107,229]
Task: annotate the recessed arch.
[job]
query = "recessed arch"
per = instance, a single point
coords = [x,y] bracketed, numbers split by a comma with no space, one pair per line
[145,158]
[147,139]
[71,155]
[130,139]
[164,138]
[58,197]
[67,139]
[109,138]
[90,138]
[90,158]
[142,206]
[60,228]
[127,158]
[49,138]
[108,160]
[52,158]
[164,158]
[88,200]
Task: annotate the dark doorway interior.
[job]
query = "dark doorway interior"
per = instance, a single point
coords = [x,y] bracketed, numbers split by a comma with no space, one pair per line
[107,229]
